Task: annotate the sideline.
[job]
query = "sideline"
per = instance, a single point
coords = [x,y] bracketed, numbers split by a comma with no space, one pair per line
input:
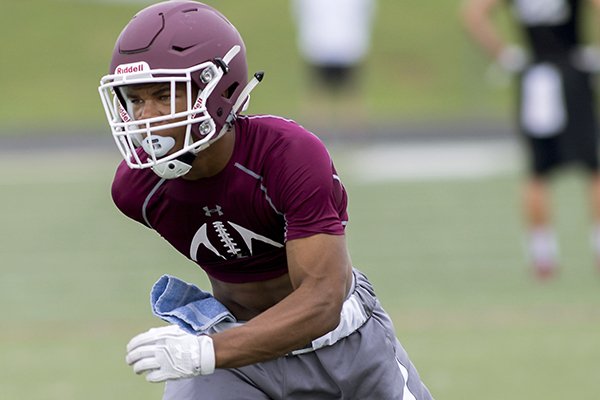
[441,160]
[386,153]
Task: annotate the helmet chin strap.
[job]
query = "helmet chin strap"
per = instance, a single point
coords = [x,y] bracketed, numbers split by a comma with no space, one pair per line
[159,146]
[175,168]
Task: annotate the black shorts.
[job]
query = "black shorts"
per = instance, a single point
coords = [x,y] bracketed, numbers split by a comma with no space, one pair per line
[335,78]
[550,153]
[577,139]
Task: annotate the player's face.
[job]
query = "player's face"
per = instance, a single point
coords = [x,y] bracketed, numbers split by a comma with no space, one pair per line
[154,100]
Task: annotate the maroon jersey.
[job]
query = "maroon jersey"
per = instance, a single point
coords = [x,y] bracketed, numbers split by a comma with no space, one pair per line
[280,184]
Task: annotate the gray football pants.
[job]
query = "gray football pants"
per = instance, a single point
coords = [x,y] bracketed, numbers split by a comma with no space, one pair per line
[369,364]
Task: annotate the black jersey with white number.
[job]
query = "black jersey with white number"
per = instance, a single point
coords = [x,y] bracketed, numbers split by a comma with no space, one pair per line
[556,103]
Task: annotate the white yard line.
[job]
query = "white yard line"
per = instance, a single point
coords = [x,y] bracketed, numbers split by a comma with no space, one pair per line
[432,161]
[377,163]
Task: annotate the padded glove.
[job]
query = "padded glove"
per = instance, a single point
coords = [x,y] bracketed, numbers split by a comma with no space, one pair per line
[169,352]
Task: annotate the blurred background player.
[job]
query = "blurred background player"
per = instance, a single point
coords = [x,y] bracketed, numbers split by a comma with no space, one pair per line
[556,105]
[334,38]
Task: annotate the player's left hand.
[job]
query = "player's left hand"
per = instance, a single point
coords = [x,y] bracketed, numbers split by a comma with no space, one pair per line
[170,353]
[513,59]
[586,58]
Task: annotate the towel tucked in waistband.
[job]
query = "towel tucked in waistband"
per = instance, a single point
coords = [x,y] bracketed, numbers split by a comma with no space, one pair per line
[186,305]
[197,311]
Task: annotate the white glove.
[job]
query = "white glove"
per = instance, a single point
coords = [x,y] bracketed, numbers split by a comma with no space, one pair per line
[169,352]
[513,59]
[586,58]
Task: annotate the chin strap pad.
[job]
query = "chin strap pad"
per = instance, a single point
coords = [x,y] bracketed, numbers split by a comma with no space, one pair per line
[175,168]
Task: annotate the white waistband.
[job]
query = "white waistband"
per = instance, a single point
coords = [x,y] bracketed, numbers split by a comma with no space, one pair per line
[352,317]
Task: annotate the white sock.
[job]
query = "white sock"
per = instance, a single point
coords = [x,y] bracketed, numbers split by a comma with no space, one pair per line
[543,247]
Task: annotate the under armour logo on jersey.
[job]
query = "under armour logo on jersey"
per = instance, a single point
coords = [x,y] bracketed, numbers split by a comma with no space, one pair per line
[224,243]
[209,211]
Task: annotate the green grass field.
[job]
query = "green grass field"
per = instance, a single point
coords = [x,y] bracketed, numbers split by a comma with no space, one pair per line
[420,66]
[445,257]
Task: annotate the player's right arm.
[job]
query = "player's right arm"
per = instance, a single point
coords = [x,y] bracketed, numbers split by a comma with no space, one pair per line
[476,16]
[595,5]
[320,273]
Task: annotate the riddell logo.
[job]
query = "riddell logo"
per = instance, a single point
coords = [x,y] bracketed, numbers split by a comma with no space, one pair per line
[132,68]
[123,114]
[196,106]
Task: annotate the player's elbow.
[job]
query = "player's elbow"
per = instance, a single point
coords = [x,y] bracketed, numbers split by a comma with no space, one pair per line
[470,15]
[327,313]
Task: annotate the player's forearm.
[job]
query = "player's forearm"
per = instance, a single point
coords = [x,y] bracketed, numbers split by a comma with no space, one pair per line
[289,325]
[595,5]
[477,20]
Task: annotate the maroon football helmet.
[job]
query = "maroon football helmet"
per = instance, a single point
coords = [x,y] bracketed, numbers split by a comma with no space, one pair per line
[176,42]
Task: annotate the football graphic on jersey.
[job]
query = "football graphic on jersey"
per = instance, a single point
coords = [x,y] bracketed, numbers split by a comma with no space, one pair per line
[227,240]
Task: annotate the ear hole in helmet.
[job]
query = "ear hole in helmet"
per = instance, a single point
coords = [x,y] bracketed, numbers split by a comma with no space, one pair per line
[230,90]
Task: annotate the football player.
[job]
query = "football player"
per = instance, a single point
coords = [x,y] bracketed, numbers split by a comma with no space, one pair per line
[256,202]
[557,115]
[333,40]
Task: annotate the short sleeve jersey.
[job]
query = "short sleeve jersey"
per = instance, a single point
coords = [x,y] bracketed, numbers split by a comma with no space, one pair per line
[334,32]
[280,184]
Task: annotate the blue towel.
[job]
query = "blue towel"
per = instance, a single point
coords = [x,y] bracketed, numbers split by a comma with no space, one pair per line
[187,306]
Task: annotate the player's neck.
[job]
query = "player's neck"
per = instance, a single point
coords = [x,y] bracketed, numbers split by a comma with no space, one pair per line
[211,161]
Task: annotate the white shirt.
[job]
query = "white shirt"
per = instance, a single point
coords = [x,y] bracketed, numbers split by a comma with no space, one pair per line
[334,31]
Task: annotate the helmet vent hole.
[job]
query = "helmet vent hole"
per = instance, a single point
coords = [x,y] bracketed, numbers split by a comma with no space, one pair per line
[180,49]
[230,90]
[219,112]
